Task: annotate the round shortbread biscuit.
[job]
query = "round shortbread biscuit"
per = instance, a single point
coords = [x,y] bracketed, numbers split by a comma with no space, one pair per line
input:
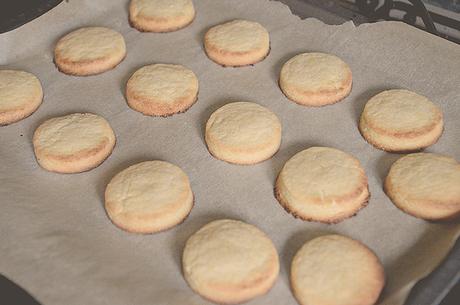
[230,262]
[401,120]
[20,95]
[161,15]
[149,197]
[322,184]
[89,50]
[243,133]
[237,43]
[73,143]
[162,89]
[315,79]
[425,185]
[336,270]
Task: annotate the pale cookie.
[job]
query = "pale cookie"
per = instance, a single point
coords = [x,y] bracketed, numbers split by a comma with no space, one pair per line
[425,185]
[243,133]
[73,143]
[161,15]
[237,43]
[322,184]
[149,197]
[336,270]
[315,79]
[230,262]
[20,95]
[401,120]
[89,50]
[162,89]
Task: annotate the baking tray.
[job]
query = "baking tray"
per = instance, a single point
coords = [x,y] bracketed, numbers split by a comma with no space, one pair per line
[14,14]
[426,294]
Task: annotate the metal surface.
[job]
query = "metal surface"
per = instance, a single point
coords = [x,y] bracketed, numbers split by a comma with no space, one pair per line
[411,9]
[437,21]
[15,13]
[10,293]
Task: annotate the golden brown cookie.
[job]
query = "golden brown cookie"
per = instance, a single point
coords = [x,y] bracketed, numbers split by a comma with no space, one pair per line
[336,270]
[315,79]
[20,95]
[243,133]
[89,50]
[149,197]
[230,262]
[162,89]
[400,120]
[161,15]
[73,143]
[237,43]
[425,185]
[322,184]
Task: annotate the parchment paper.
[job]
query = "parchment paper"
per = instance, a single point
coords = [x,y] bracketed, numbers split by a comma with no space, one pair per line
[55,238]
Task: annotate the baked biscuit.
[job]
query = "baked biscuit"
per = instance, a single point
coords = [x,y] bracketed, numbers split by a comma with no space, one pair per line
[401,120]
[149,197]
[322,184]
[73,143]
[230,262]
[89,50]
[237,43]
[20,95]
[162,89]
[425,185]
[336,270]
[161,15]
[243,133]
[315,79]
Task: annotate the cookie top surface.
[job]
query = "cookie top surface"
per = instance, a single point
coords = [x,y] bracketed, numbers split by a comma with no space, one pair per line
[323,175]
[74,134]
[315,73]
[149,197]
[162,83]
[237,36]
[336,270]
[18,89]
[425,185]
[161,9]
[89,50]
[230,261]
[90,44]
[401,112]
[243,125]
[149,187]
